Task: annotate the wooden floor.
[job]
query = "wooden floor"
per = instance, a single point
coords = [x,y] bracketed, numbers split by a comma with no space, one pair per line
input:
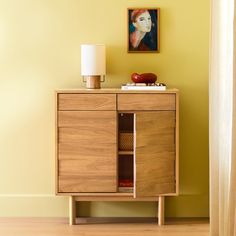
[60,227]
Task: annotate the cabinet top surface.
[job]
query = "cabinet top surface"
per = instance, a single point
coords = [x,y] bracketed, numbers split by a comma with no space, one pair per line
[113,90]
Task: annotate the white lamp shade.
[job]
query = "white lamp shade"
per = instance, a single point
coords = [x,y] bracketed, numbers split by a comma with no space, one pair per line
[93,59]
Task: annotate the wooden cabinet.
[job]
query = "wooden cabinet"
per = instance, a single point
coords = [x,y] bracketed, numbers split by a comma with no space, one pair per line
[115,145]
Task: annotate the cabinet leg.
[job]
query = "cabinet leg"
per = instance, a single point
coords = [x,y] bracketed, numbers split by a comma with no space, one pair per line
[161,210]
[72,210]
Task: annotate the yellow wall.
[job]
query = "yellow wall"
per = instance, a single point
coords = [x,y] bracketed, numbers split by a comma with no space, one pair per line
[40,52]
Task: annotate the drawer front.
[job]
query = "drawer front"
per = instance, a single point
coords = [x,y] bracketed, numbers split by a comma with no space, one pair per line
[146,102]
[86,102]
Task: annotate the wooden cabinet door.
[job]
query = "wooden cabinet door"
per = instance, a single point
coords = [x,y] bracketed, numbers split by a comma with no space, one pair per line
[154,153]
[87,151]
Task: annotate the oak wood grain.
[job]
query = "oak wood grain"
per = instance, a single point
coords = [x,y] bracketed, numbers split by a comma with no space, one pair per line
[177,144]
[116,198]
[154,153]
[87,183]
[87,151]
[87,102]
[84,166]
[93,127]
[135,102]
[72,210]
[75,151]
[115,91]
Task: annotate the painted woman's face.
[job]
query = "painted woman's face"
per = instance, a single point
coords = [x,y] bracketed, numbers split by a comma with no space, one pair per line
[143,22]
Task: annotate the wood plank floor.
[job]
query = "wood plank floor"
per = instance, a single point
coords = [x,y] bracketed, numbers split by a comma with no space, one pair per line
[60,227]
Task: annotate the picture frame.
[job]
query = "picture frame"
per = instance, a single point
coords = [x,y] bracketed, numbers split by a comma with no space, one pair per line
[143,30]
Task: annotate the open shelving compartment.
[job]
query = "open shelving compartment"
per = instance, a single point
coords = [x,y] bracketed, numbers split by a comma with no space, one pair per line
[126,153]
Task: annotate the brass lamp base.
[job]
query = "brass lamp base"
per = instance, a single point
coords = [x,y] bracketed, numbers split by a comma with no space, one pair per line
[93,82]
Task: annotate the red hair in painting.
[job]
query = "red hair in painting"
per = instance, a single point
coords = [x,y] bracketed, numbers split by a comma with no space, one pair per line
[136,13]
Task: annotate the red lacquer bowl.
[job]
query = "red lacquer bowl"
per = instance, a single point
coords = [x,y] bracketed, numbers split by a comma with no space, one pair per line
[147,78]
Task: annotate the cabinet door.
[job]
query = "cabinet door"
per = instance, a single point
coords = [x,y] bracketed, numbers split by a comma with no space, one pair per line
[87,151]
[154,153]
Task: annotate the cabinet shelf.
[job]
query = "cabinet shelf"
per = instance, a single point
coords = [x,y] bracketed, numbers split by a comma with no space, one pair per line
[125,152]
[125,189]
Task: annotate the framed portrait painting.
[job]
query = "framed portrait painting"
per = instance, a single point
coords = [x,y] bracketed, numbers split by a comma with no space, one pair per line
[143,30]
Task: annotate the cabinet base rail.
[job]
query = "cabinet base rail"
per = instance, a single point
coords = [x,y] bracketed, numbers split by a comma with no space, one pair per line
[73,220]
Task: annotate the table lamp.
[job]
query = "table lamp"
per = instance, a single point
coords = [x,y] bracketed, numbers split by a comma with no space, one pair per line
[93,64]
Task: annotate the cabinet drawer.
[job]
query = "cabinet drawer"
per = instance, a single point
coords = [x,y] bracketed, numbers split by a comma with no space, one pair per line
[146,102]
[86,102]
